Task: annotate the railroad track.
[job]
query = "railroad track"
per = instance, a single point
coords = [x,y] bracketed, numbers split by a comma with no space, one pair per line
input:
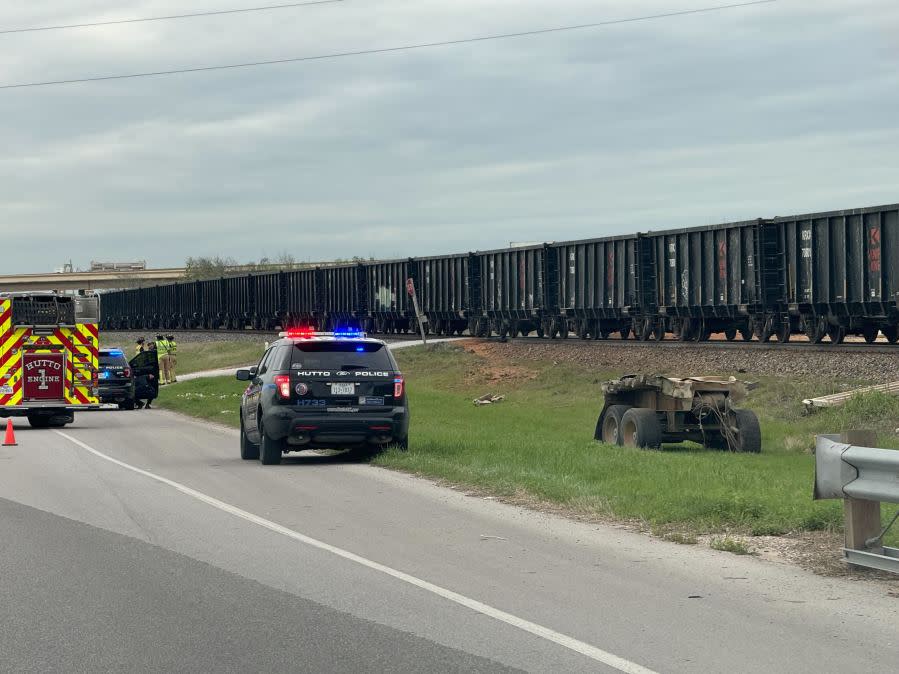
[799,346]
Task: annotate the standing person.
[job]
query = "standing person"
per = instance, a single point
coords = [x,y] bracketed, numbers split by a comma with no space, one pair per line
[173,360]
[139,345]
[162,353]
[146,377]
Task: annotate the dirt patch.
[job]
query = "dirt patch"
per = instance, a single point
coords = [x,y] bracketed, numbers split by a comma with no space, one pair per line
[495,368]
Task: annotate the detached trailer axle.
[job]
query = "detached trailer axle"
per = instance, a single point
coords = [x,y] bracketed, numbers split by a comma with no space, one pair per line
[647,411]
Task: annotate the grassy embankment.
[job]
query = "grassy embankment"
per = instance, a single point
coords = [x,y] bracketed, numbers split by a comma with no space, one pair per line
[198,356]
[537,446]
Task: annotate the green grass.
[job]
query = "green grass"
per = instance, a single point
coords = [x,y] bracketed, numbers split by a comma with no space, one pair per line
[537,445]
[214,399]
[199,356]
[727,544]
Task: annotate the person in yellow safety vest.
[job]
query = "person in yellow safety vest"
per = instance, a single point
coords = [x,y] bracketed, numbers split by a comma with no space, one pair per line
[162,353]
[139,346]
[173,356]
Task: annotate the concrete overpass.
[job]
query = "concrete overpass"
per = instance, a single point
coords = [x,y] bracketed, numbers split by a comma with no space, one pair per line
[89,280]
[93,280]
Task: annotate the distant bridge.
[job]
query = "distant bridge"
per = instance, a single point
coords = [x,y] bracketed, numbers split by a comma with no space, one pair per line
[89,280]
[93,280]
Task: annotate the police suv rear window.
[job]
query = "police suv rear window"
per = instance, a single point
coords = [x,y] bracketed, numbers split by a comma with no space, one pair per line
[108,360]
[341,356]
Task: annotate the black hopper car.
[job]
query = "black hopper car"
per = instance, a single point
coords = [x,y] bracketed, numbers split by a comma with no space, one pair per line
[825,275]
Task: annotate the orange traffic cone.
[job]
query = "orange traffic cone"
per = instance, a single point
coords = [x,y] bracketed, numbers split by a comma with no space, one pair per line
[10,439]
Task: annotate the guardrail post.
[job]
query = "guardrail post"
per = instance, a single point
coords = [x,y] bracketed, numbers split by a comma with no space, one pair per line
[861,517]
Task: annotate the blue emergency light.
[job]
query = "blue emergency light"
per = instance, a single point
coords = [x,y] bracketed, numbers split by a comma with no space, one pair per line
[349,334]
[116,352]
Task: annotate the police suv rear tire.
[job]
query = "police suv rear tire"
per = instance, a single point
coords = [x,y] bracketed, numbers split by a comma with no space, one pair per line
[248,451]
[269,449]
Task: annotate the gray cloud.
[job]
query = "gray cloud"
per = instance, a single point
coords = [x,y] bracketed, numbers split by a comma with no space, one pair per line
[770,110]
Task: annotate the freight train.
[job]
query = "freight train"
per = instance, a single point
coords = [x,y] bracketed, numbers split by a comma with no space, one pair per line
[825,275]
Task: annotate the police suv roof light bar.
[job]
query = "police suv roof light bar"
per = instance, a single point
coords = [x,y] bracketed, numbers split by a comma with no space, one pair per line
[302,333]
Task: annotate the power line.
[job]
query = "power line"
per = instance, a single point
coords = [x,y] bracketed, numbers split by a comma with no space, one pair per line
[193,15]
[385,50]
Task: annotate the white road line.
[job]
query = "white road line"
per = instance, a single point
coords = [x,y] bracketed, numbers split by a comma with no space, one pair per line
[571,643]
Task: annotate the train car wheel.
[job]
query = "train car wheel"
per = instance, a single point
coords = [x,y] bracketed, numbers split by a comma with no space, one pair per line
[837,334]
[816,330]
[659,330]
[699,331]
[891,332]
[784,331]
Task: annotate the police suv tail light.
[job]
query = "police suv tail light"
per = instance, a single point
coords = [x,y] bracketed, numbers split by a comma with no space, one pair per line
[282,383]
[399,387]
[126,372]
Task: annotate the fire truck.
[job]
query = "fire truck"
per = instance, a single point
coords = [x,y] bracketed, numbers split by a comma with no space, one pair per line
[48,356]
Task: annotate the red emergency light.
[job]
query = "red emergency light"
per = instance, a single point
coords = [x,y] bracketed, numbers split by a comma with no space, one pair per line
[300,333]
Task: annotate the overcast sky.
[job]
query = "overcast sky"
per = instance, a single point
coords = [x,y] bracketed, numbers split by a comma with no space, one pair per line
[769,110]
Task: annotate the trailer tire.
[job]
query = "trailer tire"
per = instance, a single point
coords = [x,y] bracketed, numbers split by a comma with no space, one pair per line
[640,427]
[749,434]
[610,430]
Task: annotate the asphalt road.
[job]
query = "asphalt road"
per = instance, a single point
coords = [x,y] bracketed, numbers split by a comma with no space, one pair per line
[139,541]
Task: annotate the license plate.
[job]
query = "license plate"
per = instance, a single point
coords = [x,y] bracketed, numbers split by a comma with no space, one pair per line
[343,389]
[371,400]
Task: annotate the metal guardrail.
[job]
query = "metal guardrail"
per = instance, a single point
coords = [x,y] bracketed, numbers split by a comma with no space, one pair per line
[863,477]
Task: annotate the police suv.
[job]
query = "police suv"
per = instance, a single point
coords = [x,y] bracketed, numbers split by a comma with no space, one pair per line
[311,390]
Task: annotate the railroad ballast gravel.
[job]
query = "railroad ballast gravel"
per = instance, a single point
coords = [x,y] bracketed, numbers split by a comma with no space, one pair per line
[607,356]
